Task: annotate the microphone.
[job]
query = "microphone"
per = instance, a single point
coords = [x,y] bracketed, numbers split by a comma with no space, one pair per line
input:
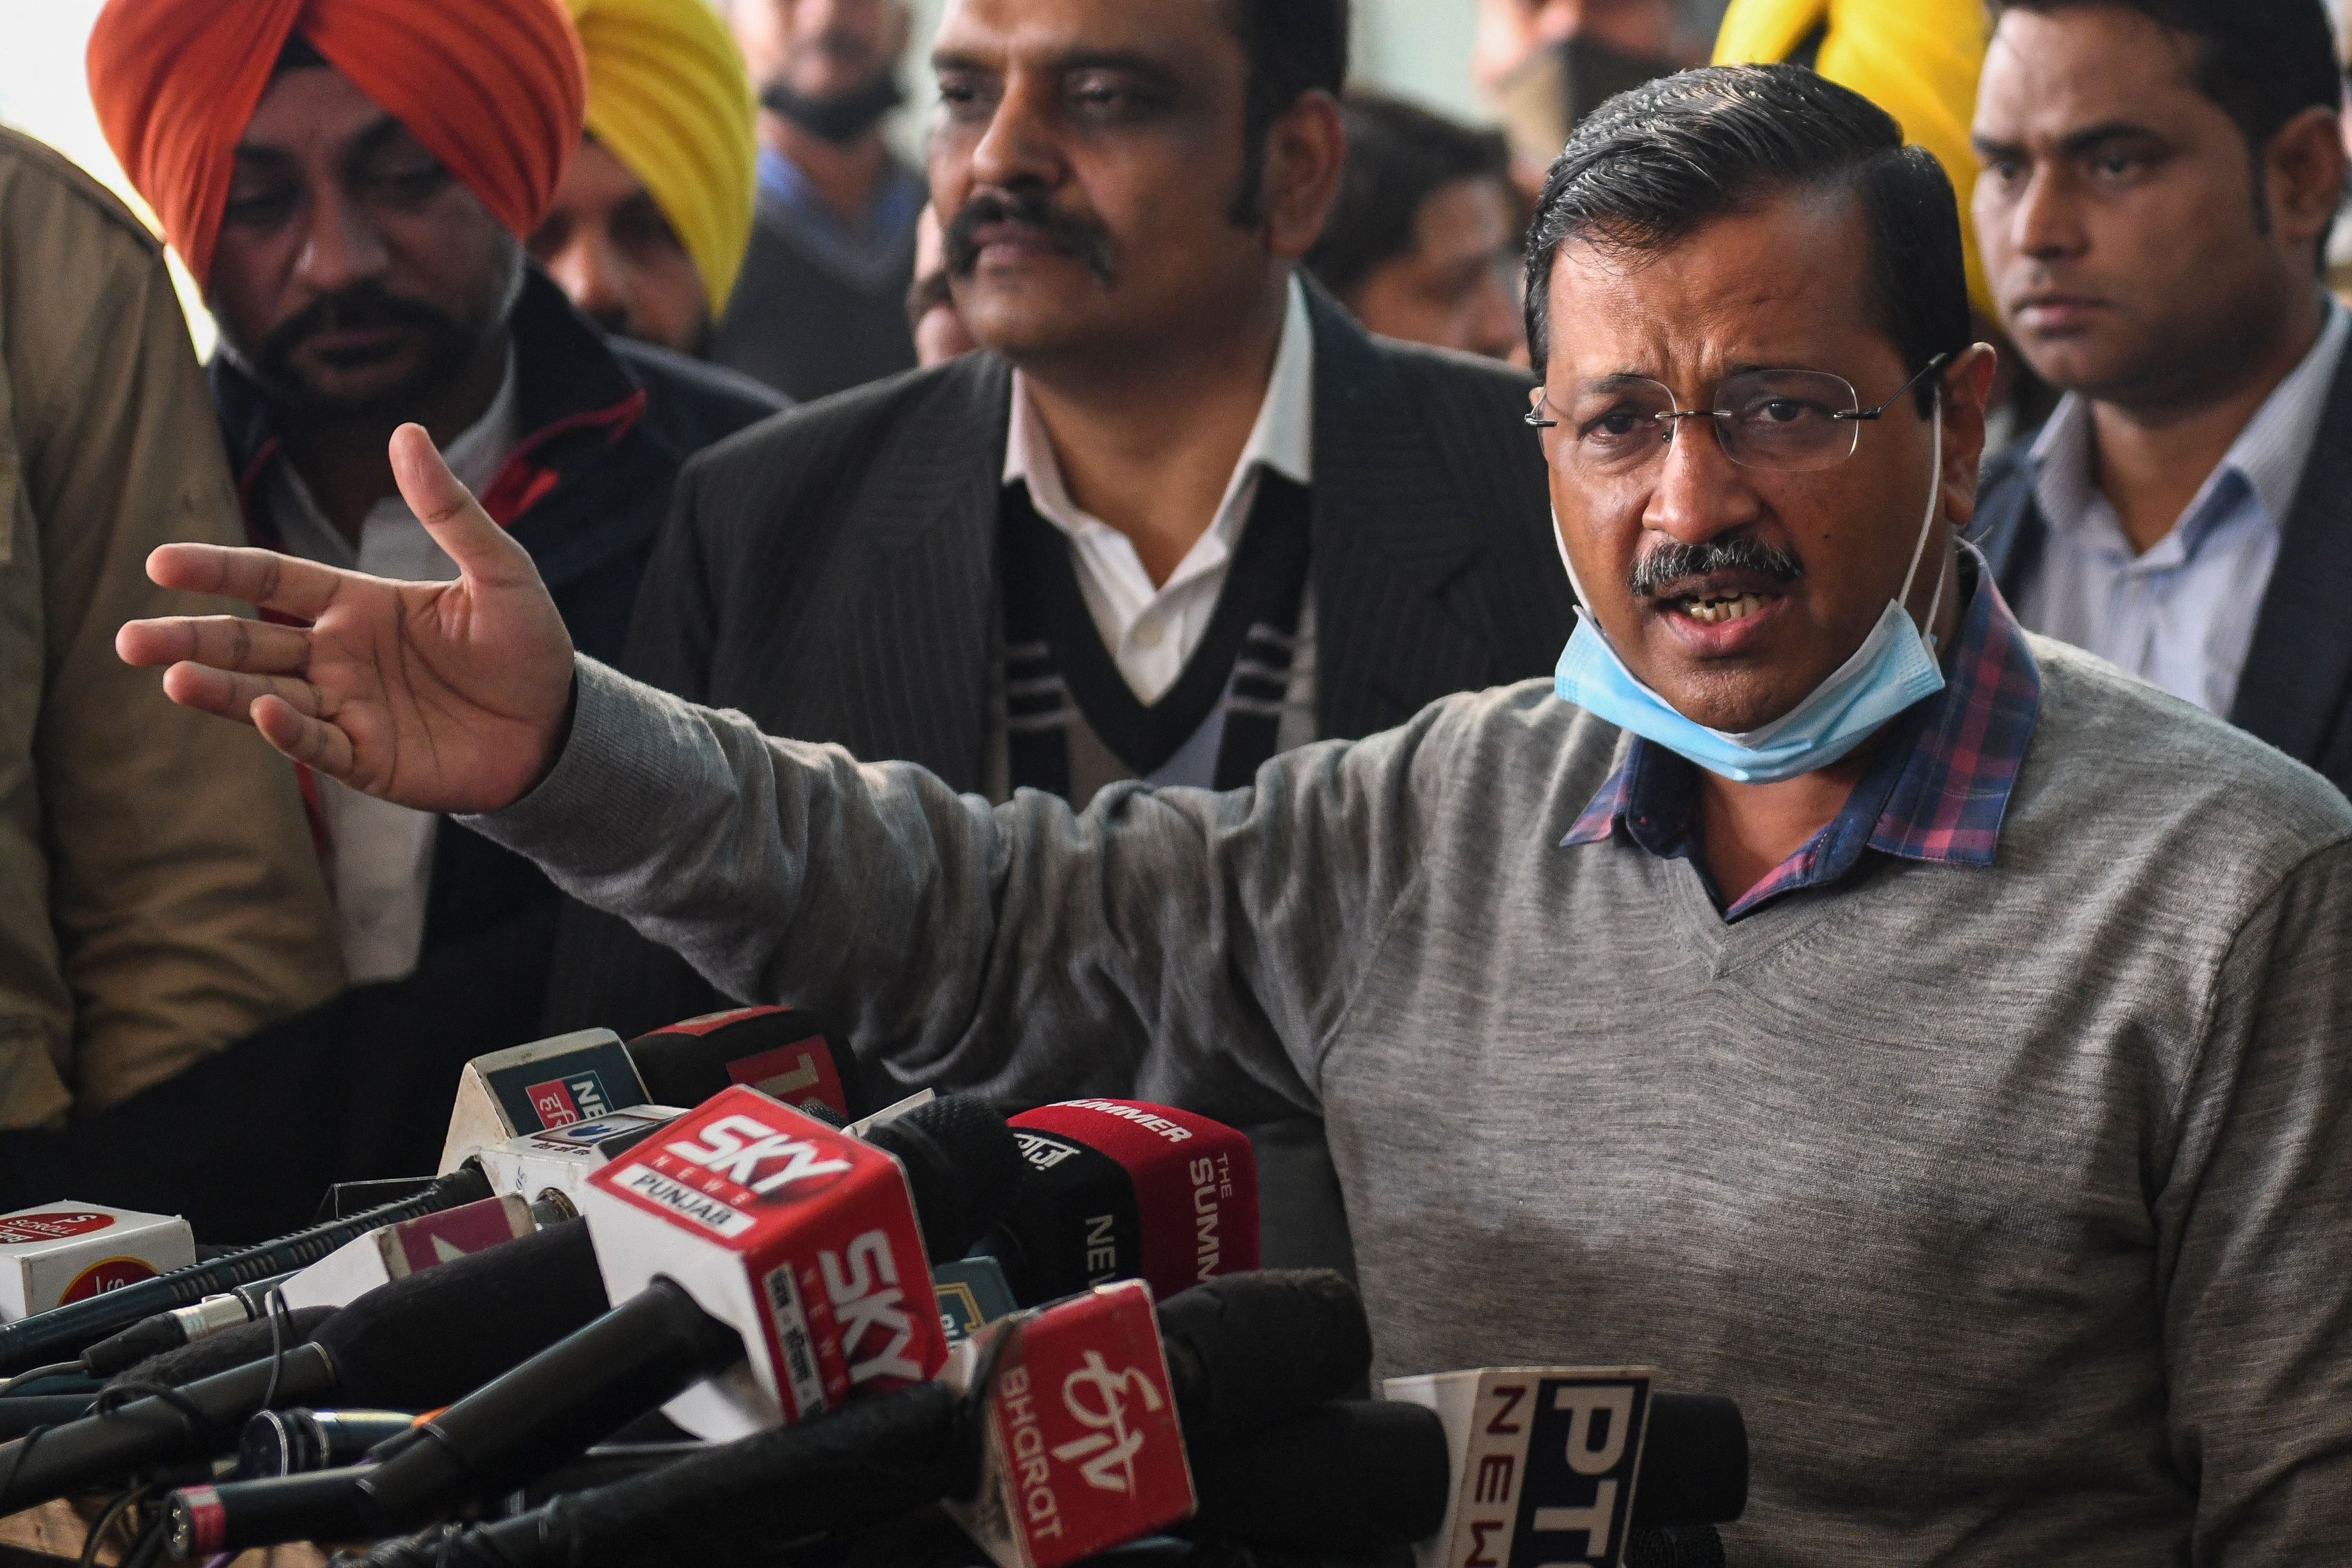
[416,1344]
[397,1251]
[1120,1189]
[66,1331]
[546,1085]
[837,1247]
[1086,1385]
[781,1053]
[1544,1462]
[802,1240]
[296,1442]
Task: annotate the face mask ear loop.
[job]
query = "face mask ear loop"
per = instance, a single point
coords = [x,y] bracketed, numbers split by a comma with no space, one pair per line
[1927,528]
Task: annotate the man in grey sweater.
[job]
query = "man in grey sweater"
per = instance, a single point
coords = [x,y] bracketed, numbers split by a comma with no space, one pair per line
[1920,1032]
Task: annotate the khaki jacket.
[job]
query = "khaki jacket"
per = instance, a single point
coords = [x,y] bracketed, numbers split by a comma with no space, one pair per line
[159,893]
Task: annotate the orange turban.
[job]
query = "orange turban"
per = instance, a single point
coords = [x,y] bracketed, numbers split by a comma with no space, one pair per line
[494,88]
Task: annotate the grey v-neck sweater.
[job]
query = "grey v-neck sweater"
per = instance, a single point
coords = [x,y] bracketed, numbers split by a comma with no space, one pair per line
[2013,1205]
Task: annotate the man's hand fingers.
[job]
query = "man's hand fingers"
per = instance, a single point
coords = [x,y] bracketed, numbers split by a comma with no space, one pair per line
[223,642]
[313,742]
[231,696]
[482,549]
[301,589]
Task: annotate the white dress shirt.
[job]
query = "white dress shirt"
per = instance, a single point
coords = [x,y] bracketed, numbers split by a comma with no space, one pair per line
[2180,615]
[1150,632]
[379,855]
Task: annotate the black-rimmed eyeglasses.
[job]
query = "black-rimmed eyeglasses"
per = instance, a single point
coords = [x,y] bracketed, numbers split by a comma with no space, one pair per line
[1788,419]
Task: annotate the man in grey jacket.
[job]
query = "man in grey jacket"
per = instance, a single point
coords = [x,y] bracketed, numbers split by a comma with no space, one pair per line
[1916,1030]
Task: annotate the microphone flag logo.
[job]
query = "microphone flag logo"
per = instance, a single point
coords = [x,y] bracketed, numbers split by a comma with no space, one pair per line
[1084,1451]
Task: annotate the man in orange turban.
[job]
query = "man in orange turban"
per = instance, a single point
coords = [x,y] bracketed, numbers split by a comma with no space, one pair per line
[349,181]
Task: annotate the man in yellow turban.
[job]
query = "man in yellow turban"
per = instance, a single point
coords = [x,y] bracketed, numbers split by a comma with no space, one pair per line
[648,228]
[1916,59]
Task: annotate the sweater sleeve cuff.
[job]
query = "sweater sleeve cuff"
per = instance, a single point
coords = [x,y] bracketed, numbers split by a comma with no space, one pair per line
[618,767]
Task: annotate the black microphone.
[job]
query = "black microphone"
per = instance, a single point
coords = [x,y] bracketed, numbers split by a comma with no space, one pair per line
[878,1457]
[1123,1191]
[62,1332]
[415,1344]
[781,1053]
[960,1166]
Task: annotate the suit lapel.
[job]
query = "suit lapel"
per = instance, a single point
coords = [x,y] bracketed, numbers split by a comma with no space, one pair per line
[1394,547]
[905,614]
[2300,664]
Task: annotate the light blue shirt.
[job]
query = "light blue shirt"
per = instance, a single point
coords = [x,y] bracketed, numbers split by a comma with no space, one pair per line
[2181,615]
[868,253]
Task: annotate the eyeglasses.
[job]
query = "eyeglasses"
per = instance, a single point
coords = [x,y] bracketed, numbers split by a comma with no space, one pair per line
[1789,420]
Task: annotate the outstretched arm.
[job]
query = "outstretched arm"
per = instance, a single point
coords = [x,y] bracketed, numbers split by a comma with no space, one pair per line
[444,696]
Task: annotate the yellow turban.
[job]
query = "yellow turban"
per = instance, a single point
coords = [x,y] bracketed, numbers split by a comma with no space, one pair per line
[668,96]
[1916,59]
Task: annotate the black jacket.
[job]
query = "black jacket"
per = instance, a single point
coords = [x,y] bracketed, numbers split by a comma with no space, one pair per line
[2296,691]
[607,425]
[832,575]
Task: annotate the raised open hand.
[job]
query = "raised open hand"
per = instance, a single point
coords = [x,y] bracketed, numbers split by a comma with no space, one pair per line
[445,696]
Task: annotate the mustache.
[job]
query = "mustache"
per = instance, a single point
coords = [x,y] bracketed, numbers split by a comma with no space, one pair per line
[1081,237]
[359,307]
[1676,561]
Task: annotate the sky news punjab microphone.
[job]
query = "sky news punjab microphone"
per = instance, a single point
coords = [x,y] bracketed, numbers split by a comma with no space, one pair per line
[768,1267]
[1063,1432]
[1120,1189]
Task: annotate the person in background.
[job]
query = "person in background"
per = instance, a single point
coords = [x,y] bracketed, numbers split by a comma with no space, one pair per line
[821,305]
[1546,64]
[1919,62]
[939,333]
[1423,242]
[2160,177]
[159,897]
[1183,513]
[649,225]
[349,180]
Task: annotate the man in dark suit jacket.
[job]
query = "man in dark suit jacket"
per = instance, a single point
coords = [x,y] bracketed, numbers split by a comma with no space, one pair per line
[2154,235]
[1185,513]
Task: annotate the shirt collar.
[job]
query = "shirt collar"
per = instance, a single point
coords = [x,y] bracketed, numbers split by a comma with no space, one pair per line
[475,458]
[1937,791]
[2268,457]
[1282,439]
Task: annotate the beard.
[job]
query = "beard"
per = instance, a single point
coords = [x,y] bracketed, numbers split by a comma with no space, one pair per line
[441,345]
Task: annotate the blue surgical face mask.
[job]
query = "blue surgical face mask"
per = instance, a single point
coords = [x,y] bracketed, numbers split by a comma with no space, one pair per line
[1895,667]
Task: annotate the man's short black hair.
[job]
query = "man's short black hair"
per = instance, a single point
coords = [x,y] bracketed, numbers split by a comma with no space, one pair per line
[1399,155]
[2261,61]
[1294,47]
[1651,165]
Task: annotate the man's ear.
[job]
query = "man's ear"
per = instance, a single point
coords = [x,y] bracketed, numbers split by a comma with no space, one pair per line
[2303,173]
[1305,148]
[1967,385]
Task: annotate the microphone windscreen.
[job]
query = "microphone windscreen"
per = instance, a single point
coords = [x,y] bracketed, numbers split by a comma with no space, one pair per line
[231,1347]
[431,1339]
[781,1053]
[1246,1350]
[1694,1462]
[962,1167]
[1362,1476]
[1691,1546]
